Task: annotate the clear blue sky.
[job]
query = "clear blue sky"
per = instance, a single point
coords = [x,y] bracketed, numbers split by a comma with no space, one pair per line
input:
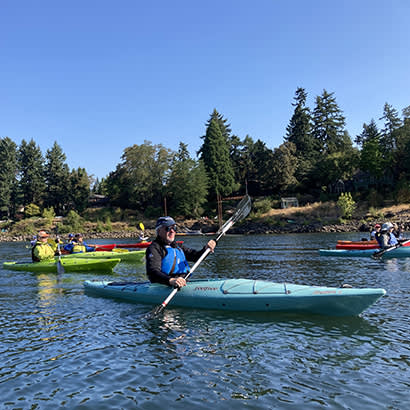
[100,76]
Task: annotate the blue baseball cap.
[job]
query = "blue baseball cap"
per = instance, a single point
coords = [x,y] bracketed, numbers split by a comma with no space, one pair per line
[165,221]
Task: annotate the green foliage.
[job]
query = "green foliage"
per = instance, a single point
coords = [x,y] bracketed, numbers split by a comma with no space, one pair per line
[73,221]
[8,181]
[187,185]
[57,179]
[79,189]
[24,227]
[108,226]
[346,205]
[31,210]
[262,206]
[215,155]
[49,214]
[31,173]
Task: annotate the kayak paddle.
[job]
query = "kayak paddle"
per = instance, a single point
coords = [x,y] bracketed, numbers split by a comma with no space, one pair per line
[242,210]
[60,267]
[379,254]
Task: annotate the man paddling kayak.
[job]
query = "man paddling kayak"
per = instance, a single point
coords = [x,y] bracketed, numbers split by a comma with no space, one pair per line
[42,249]
[166,262]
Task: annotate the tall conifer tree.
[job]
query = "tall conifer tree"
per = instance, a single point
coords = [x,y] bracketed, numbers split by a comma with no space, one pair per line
[8,173]
[215,155]
[57,179]
[31,173]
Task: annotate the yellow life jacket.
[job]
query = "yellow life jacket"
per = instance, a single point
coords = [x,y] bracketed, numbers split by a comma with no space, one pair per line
[42,251]
[78,248]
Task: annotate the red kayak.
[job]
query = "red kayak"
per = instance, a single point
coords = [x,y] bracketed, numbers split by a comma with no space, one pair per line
[357,246]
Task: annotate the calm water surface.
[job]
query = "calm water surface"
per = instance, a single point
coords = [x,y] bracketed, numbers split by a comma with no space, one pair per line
[63,349]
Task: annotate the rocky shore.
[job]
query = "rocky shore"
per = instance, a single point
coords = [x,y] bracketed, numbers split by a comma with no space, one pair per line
[245,228]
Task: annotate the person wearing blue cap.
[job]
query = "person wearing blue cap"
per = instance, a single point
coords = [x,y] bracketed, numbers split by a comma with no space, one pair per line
[166,262]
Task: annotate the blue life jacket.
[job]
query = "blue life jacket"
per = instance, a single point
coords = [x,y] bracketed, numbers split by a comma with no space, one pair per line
[174,261]
[393,240]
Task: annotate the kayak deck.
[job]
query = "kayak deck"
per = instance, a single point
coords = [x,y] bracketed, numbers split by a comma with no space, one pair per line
[69,265]
[244,295]
[131,256]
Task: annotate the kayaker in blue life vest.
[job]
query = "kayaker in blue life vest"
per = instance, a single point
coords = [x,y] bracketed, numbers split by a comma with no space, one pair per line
[77,245]
[42,249]
[166,262]
[386,239]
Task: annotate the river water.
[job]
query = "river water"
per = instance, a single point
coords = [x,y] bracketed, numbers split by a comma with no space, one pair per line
[61,348]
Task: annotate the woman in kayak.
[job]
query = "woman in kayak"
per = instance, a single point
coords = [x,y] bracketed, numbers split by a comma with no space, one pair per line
[166,262]
[387,238]
[77,245]
[42,249]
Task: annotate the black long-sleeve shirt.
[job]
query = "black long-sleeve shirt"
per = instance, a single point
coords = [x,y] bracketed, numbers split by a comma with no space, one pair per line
[157,251]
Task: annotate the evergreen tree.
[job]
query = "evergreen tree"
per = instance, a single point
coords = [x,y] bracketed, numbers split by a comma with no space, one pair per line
[8,173]
[79,189]
[31,173]
[328,125]
[187,186]
[371,156]
[298,130]
[284,166]
[57,179]
[215,155]
[391,123]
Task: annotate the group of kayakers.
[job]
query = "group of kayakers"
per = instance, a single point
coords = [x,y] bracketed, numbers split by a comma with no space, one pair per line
[387,235]
[45,249]
[166,260]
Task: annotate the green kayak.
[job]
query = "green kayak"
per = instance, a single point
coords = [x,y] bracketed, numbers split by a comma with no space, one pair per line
[69,265]
[132,256]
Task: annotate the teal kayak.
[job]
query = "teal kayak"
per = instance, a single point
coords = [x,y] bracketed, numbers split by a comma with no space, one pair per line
[400,252]
[69,265]
[244,295]
[131,256]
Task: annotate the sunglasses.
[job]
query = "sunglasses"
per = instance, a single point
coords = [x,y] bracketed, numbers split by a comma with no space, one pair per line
[173,228]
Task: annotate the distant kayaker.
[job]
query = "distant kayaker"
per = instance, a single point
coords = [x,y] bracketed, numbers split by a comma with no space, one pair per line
[166,262]
[375,231]
[387,237]
[77,245]
[42,249]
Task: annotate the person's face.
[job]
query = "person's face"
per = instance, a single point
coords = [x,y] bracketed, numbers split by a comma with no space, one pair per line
[43,238]
[167,233]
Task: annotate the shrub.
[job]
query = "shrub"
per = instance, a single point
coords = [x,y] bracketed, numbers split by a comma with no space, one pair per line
[31,210]
[346,205]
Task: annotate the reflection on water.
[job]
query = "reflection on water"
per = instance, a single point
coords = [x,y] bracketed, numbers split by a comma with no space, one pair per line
[63,349]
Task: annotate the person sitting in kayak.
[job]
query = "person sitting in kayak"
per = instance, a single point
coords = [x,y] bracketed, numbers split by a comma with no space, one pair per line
[375,231]
[387,238]
[166,262]
[42,249]
[77,245]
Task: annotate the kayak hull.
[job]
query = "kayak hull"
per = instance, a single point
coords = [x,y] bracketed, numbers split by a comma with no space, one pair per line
[244,295]
[69,265]
[132,256]
[401,252]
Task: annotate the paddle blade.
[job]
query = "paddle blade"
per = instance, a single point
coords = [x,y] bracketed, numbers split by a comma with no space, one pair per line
[60,267]
[241,212]
[142,226]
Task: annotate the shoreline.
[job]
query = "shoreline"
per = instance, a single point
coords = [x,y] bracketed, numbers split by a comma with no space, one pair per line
[247,228]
